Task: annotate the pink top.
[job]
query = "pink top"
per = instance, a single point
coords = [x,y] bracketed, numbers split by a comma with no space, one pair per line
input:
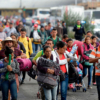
[79,44]
[86,49]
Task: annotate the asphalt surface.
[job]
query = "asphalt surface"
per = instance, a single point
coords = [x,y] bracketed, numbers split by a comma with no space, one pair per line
[28,91]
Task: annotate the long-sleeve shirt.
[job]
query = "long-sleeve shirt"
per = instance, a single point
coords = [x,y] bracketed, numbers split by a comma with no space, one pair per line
[86,49]
[44,69]
[9,30]
[27,44]
[80,31]
[15,70]
[3,35]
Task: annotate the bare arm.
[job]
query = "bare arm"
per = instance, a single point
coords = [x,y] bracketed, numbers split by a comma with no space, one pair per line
[23,55]
[68,59]
[93,60]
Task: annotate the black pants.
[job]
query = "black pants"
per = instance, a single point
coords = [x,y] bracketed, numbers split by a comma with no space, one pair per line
[94,75]
[78,37]
[24,75]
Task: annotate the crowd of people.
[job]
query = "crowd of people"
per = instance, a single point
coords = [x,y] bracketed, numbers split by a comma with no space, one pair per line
[52,49]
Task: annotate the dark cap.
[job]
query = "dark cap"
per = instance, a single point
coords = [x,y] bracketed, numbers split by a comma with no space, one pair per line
[42,26]
[10,23]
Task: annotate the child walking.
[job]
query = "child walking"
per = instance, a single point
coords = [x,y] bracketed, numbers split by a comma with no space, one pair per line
[8,82]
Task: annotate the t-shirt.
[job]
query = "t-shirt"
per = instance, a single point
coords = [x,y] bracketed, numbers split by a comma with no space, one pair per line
[63,67]
[55,41]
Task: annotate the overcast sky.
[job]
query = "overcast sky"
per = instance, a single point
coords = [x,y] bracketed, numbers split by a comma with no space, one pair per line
[34,3]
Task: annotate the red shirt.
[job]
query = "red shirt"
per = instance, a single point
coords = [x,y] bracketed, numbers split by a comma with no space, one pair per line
[64,41]
[69,50]
[63,67]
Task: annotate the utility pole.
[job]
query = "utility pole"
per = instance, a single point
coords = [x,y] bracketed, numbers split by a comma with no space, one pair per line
[20,3]
[75,2]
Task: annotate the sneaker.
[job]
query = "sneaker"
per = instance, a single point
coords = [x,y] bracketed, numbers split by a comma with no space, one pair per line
[94,83]
[89,87]
[71,86]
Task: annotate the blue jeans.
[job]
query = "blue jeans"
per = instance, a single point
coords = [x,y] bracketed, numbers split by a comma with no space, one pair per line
[90,69]
[98,86]
[35,47]
[50,94]
[64,86]
[9,85]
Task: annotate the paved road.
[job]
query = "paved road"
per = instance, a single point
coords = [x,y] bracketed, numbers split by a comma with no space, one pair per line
[29,89]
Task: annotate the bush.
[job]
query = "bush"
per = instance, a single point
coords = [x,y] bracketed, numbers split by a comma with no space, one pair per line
[71,35]
[71,20]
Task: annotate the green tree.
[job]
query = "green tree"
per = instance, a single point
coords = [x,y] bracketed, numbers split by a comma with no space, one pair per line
[71,19]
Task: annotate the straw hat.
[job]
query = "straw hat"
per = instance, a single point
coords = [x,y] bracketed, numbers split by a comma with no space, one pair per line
[8,39]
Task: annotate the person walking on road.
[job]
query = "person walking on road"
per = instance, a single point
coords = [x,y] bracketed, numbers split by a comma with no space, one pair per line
[64,28]
[79,31]
[10,29]
[50,93]
[54,37]
[95,58]
[8,81]
[35,36]
[59,29]
[86,49]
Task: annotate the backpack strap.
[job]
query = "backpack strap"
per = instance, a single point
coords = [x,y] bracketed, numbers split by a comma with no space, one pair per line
[57,39]
[18,38]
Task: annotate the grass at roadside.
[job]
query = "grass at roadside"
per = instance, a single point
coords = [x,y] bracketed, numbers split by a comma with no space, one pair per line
[71,35]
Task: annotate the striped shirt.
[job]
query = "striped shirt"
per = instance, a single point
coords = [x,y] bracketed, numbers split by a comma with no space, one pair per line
[95,54]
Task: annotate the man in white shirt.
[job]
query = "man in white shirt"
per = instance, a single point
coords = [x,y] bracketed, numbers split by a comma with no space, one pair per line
[10,29]
[36,36]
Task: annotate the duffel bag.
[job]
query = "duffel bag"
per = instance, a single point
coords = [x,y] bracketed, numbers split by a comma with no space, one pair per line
[24,64]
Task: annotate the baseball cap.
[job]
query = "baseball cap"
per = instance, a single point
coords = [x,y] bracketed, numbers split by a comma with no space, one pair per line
[35,25]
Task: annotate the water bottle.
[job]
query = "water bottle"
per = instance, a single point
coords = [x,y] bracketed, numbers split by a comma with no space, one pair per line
[74,48]
[1,64]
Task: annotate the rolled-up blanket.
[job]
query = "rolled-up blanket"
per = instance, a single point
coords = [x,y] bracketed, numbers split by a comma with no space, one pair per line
[24,64]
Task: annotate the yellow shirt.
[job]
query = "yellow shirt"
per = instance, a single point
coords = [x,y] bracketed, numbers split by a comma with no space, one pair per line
[27,44]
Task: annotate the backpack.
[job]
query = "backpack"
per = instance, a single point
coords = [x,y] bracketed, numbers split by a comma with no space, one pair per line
[32,73]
